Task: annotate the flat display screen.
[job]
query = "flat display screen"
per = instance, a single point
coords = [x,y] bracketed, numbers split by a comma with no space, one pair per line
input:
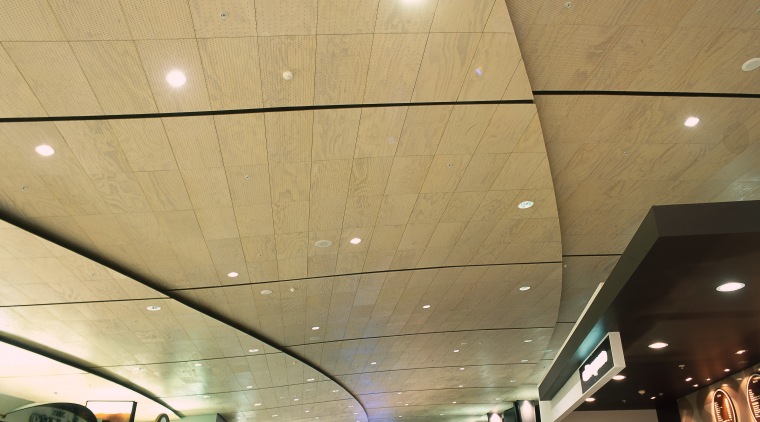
[753,396]
[723,407]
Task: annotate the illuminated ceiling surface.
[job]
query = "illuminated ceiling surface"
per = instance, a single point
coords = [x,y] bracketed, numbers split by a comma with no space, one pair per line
[418,127]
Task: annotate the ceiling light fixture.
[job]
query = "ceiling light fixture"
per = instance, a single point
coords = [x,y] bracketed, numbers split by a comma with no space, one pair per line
[461,369]
[334,391]
[453,402]
[691,121]
[726,370]
[198,364]
[731,286]
[525,205]
[741,352]
[456,350]
[524,360]
[618,377]
[355,241]
[590,399]
[689,379]
[527,341]
[232,274]
[249,386]
[695,385]
[310,379]
[253,350]
[206,396]
[153,308]
[373,363]
[425,306]
[266,292]
[658,345]
[751,64]
[287,75]
[315,328]
[524,288]
[45,150]
[324,243]
[257,404]
[176,78]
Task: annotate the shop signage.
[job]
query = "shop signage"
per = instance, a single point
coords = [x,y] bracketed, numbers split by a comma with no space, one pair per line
[723,407]
[753,396]
[596,365]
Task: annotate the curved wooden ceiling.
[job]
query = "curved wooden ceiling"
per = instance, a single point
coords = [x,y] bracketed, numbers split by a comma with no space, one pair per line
[409,125]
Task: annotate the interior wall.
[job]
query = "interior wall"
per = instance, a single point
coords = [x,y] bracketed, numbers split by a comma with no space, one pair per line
[697,407]
[649,415]
[8,403]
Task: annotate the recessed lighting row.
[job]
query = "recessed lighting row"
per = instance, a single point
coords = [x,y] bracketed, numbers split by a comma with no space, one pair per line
[324,243]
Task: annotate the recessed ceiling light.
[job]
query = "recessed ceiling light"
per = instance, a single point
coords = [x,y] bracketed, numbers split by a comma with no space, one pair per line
[406,404]
[590,399]
[731,286]
[726,370]
[751,64]
[460,385]
[652,398]
[153,308]
[453,402]
[315,328]
[274,416]
[741,352]
[527,341]
[524,288]
[691,121]
[176,78]
[232,274]
[461,369]
[266,292]
[45,150]
[524,360]
[688,379]
[310,379]
[618,377]
[206,396]
[287,75]
[324,243]
[253,350]
[257,404]
[425,306]
[373,363]
[295,399]
[399,392]
[512,380]
[334,391]
[695,385]
[658,345]
[355,241]
[708,379]
[307,411]
[479,71]
[198,364]
[525,205]
[456,350]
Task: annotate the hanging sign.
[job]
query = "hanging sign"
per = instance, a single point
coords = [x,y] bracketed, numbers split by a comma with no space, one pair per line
[596,365]
[753,396]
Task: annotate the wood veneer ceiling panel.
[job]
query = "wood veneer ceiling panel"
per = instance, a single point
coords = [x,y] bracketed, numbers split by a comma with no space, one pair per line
[637,153]
[644,45]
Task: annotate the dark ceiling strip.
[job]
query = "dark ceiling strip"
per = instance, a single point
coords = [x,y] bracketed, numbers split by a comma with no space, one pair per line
[515,385]
[206,310]
[250,111]
[581,255]
[81,365]
[417,334]
[86,302]
[649,94]
[436,367]
[400,270]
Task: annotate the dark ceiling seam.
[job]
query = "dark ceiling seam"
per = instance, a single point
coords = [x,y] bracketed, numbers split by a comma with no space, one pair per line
[253,111]
[85,302]
[438,367]
[80,365]
[96,257]
[581,255]
[515,385]
[316,277]
[419,334]
[648,94]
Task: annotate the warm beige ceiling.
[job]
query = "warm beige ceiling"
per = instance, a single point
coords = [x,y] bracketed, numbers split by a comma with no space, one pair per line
[179,201]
